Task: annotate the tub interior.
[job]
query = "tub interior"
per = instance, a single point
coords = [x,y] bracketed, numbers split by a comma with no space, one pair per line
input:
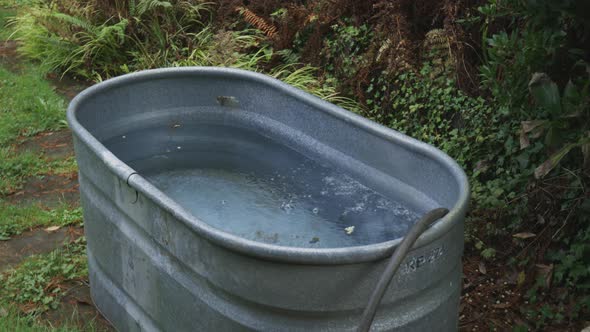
[263,164]
[236,177]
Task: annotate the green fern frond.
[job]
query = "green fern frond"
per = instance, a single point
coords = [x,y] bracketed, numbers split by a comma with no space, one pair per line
[288,56]
[132,8]
[145,6]
[74,21]
[115,32]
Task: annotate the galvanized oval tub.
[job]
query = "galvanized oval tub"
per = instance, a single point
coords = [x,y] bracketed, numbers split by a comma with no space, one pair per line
[157,152]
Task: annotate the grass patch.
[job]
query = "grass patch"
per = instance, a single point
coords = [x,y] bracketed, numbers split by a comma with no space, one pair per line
[34,286]
[12,320]
[15,168]
[16,219]
[5,14]
[29,105]
[60,166]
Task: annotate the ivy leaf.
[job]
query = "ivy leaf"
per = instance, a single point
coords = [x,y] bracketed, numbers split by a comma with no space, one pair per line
[488,253]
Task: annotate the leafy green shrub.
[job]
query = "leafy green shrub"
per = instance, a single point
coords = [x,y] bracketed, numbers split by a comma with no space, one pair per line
[66,43]
[65,35]
[512,58]
[304,77]
[344,51]
[163,32]
[566,123]
[428,106]
[546,137]
[565,127]
[536,40]
[435,111]
[151,34]
[240,49]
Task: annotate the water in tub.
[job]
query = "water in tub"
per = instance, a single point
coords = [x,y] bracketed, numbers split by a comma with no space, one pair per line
[250,186]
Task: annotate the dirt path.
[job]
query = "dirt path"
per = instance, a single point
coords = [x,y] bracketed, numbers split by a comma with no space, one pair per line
[37,241]
[52,145]
[8,57]
[50,191]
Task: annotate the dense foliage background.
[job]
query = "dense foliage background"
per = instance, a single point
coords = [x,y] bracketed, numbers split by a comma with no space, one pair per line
[501,85]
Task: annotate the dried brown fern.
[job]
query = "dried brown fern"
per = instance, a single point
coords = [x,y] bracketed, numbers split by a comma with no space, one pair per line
[393,27]
[258,22]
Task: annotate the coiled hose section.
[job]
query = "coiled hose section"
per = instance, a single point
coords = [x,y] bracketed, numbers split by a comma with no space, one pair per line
[394,264]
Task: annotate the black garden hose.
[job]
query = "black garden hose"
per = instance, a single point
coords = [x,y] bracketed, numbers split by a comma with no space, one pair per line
[394,263]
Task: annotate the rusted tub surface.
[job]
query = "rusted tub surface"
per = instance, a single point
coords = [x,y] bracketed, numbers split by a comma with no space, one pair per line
[224,200]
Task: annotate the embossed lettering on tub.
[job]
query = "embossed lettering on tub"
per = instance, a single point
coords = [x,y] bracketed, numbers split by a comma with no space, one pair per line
[414,263]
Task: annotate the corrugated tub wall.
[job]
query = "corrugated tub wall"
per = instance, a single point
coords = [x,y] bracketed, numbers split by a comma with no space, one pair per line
[224,200]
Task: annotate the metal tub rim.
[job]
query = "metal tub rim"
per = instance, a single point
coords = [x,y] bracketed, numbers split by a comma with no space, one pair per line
[315,256]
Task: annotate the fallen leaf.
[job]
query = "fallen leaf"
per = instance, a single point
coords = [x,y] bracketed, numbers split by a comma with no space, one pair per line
[482,268]
[553,161]
[524,235]
[83,301]
[544,168]
[52,228]
[4,238]
[349,230]
[528,126]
